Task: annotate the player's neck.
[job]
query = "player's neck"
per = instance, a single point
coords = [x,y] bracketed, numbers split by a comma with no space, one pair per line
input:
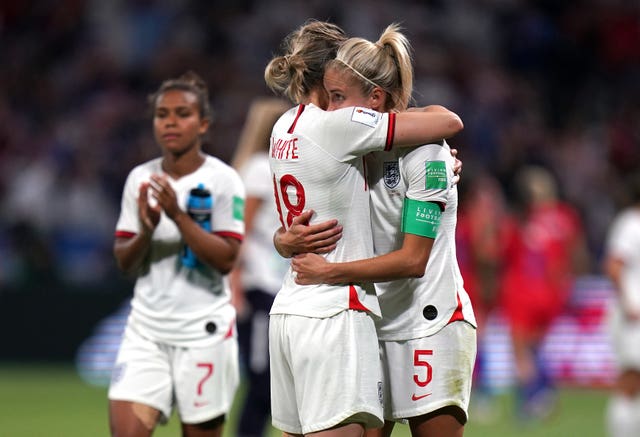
[177,166]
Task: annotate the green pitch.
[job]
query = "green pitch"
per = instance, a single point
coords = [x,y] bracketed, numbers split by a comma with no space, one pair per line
[52,401]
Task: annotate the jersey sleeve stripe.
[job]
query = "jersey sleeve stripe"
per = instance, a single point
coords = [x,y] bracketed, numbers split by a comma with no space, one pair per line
[293,125]
[391,130]
[125,234]
[230,234]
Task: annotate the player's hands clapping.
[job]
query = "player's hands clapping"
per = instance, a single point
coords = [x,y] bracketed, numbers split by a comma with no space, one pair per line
[162,191]
[149,215]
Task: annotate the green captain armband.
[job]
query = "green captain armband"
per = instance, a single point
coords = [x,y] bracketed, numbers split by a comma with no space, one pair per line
[420,218]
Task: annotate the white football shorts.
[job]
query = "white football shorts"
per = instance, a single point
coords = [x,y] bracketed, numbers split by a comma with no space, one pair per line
[324,372]
[203,379]
[425,374]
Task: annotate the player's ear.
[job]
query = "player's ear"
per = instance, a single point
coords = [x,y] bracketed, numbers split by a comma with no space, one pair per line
[204,125]
[378,99]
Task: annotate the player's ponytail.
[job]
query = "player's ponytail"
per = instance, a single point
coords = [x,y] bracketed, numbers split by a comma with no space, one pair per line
[305,53]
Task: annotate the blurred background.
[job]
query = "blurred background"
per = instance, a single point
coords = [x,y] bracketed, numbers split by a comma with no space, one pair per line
[548,83]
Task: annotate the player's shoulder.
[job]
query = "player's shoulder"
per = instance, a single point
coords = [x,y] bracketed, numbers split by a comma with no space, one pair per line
[627,218]
[436,151]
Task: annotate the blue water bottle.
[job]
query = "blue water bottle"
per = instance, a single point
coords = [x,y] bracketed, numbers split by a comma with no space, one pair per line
[199,206]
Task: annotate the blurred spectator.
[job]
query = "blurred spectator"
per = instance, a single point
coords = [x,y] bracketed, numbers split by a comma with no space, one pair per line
[622,265]
[260,270]
[483,224]
[534,82]
[544,252]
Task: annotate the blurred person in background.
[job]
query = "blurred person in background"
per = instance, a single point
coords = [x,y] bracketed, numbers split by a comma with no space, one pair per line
[543,253]
[258,275]
[483,222]
[179,347]
[622,266]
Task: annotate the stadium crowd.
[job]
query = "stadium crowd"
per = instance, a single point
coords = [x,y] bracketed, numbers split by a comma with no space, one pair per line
[535,82]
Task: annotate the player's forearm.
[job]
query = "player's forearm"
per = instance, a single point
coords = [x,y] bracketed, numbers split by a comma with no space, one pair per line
[214,250]
[389,267]
[130,253]
[416,127]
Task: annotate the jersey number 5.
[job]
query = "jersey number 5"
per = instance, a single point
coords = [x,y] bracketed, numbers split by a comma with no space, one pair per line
[419,361]
[281,191]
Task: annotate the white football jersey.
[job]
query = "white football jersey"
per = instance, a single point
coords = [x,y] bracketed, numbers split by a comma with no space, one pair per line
[623,242]
[173,303]
[417,307]
[317,163]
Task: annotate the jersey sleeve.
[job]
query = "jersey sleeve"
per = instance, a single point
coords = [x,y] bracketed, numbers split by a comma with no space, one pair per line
[128,223]
[228,208]
[349,133]
[428,171]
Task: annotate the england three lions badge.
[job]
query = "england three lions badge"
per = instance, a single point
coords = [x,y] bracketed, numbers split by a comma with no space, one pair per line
[391,174]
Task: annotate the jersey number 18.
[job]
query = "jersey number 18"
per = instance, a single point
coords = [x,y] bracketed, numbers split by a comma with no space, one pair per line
[281,191]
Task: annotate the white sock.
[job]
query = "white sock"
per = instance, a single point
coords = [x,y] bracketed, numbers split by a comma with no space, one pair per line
[623,417]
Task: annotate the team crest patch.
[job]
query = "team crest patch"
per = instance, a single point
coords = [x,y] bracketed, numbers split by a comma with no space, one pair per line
[391,174]
[365,116]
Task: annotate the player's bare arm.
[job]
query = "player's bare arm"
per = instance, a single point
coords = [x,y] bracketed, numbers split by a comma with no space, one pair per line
[408,261]
[130,252]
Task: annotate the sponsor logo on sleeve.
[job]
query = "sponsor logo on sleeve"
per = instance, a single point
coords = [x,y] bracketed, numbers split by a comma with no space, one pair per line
[238,208]
[365,116]
[435,175]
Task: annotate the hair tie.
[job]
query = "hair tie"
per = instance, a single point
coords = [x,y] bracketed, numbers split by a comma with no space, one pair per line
[360,75]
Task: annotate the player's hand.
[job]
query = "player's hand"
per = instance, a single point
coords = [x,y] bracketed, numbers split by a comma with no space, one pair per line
[310,268]
[301,237]
[149,215]
[457,166]
[164,193]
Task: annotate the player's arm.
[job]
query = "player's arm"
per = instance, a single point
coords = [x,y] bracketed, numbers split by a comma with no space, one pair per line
[131,251]
[408,261]
[431,124]
[301,237]
[219,252]
[131,248]
[251,207]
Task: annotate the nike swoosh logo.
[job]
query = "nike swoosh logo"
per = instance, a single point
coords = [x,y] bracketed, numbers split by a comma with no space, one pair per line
[200,404]
[417,398]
